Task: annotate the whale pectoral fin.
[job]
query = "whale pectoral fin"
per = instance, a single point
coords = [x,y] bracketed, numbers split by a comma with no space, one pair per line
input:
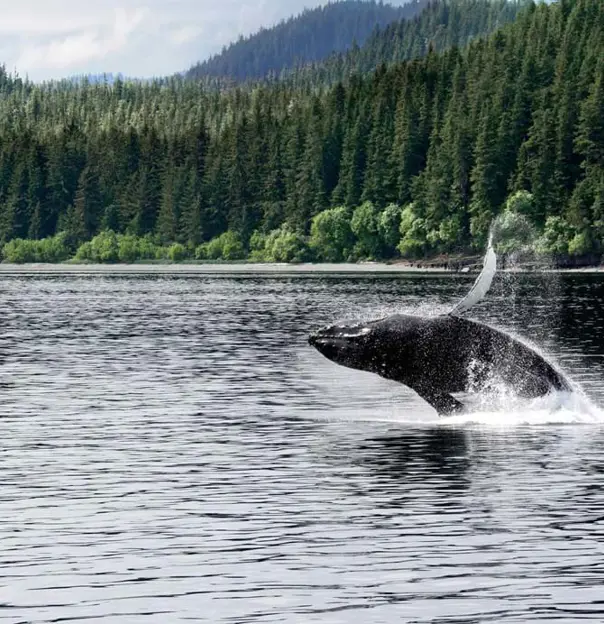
[442,402]
[483,281]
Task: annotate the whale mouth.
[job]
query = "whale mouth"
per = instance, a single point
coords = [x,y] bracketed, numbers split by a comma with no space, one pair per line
[341,344]
[335,334]
[318,341]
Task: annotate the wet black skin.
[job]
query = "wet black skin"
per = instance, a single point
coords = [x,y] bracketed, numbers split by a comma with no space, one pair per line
[439,356]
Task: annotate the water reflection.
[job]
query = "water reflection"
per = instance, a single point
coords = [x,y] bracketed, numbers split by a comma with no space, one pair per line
[418,454]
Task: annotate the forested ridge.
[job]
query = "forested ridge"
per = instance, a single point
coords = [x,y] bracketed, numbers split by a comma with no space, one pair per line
[439,26]
[311,36]
[414,159]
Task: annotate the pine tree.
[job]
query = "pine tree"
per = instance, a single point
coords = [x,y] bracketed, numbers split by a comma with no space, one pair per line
[168,218]
[16,215]
[354,161]
[447,136]
[590,132]
[192,225]
[310,185]
[376,187]
[485,177]
[87,203]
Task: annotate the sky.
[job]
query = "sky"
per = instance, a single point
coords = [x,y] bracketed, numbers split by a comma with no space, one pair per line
[47,39]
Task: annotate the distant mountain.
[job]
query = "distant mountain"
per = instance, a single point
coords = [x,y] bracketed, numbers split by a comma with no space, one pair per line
[309,37]
[441,25]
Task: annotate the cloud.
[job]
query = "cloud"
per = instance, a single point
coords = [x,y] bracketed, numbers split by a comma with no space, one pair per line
[82,47]
[58,38]
[184,34]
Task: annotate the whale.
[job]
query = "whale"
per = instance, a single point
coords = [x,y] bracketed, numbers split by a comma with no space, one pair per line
[440,356]
[444,355]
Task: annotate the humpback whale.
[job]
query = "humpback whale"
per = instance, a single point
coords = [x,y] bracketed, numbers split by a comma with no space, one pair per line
[440,356]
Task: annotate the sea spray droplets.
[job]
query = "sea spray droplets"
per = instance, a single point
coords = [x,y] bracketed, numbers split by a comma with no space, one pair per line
[509,411]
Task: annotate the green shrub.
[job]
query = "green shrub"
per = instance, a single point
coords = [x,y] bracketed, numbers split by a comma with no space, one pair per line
[522,203]
[389,223]
[111,247]
[580,244]
[555,238]
[147,248]
[227,246]
[413,234]
[449,232]
[331,236]
[177,252]
[105,247]
[512,232]
[84,253]
[201,252]
[258,247]
[285,245]
[232,247]
[161,253]
[19,251]
[127,248]
[364,225]
[213,249]
[52,249]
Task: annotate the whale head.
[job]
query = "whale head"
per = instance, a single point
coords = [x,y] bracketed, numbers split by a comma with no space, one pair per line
[348,345]
[370,346]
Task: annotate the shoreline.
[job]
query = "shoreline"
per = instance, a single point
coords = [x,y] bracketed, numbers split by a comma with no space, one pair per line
[265,268]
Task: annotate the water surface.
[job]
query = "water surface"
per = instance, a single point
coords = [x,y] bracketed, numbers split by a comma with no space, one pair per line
[171,450]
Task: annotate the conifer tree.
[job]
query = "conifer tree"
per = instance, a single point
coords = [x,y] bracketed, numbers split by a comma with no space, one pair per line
[87,203]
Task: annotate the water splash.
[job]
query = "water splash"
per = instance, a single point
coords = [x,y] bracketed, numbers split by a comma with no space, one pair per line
[553,409]
[497,404]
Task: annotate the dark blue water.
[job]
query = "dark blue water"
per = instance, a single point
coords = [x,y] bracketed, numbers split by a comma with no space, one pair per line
[171,450]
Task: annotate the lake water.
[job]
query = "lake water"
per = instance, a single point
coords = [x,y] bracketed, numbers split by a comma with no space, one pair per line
[172,450]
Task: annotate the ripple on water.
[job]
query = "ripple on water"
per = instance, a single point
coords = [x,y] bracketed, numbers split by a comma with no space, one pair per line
[172,450]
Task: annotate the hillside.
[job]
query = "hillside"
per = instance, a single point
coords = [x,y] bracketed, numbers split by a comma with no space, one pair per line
[414,159]
[437,27]
[311,36]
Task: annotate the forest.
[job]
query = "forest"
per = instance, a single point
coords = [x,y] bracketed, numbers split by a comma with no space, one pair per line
[439,26]
[410,160]
[311,36]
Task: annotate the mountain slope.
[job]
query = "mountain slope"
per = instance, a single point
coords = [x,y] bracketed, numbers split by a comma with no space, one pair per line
[311,36]
[440,25]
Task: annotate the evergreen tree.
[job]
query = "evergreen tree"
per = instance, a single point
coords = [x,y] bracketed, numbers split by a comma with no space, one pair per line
[311,36]
[87,205]
[447,137]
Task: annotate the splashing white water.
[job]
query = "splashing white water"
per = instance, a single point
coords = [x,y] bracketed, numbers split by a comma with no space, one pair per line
[497,404]
[510,411]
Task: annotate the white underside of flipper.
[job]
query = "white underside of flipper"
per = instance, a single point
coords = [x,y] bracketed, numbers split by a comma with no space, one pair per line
[483,281]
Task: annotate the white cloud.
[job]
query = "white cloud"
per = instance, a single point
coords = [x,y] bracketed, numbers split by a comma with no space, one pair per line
[58,38]
[184,34]
[82,47]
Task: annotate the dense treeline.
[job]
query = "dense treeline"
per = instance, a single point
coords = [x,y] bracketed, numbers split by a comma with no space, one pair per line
[311,36]
[415,159]
[440,26]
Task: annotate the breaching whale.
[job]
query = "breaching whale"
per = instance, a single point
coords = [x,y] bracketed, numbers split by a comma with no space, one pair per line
[442,355]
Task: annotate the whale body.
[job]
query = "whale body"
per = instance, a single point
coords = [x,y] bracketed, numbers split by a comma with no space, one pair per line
[440,356]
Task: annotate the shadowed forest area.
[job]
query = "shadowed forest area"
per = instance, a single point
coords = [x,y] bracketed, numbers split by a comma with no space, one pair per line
[351,159]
